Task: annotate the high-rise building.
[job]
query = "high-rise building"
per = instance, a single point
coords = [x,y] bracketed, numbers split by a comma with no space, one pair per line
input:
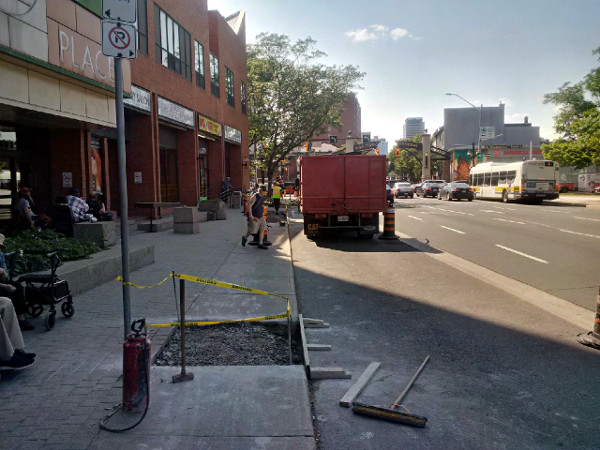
[413,126]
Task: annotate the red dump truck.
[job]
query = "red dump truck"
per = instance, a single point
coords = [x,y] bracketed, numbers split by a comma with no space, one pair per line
[342,192]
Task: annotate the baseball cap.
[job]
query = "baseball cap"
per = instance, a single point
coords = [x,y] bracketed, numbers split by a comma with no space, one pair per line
[25,190]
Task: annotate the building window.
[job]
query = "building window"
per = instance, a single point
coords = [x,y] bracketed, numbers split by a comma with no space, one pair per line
[243,97]
[142,26]
[214,76]
[173,47]
[169,189]
[200,78]
[229,88]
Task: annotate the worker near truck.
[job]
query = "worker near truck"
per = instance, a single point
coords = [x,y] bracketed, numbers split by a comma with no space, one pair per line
[277,190]
[256,219]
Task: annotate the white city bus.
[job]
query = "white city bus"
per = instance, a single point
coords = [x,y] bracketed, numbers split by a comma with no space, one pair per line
[532,180]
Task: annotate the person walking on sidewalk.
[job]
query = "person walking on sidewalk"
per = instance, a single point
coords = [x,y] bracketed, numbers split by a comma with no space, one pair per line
[12,355]
[256,219]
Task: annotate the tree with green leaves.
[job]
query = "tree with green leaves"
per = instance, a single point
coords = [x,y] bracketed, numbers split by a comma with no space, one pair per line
[291,96]
[577,122]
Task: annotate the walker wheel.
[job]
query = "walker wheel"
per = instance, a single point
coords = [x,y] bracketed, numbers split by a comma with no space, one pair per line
[50,320]
[35,310]
[67,309]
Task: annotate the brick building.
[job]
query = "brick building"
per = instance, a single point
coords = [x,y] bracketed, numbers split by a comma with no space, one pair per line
[186,121]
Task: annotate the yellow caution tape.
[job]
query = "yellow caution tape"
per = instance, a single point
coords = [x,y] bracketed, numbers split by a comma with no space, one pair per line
[212,282]
[225,285]
[139,286]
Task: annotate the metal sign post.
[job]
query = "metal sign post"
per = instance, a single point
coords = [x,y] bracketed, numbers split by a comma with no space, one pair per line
[123,202]
[119,41]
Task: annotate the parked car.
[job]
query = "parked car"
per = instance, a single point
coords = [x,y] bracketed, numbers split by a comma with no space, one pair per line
[597,190]
[456,190]
[403,189]
[428,189]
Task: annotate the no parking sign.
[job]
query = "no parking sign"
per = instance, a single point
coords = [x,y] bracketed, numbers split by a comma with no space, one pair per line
[119,39]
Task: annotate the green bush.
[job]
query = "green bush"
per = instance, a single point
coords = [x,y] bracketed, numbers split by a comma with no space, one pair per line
[47,240]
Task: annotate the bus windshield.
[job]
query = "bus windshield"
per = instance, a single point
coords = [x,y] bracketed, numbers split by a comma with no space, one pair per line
[539,170]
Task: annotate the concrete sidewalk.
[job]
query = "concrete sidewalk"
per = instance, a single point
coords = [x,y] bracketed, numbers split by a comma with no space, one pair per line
[59,402]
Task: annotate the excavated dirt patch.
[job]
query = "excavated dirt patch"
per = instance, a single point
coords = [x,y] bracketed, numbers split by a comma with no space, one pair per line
[238,344]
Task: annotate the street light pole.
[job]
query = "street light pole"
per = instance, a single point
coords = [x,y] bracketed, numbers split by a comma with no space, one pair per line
[480,111]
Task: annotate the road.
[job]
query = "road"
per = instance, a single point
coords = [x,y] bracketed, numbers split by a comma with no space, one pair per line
[502,374]
[554,247]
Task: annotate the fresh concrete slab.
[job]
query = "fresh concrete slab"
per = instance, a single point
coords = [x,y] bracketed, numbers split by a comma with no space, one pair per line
[243,406]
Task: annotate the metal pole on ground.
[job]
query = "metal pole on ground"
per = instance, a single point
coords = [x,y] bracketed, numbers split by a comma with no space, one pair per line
[123,201]
[183,376]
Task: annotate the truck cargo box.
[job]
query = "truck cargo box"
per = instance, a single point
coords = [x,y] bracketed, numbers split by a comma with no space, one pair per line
[340,184]
[342,192]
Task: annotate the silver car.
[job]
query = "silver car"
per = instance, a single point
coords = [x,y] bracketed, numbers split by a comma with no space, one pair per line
[403,190]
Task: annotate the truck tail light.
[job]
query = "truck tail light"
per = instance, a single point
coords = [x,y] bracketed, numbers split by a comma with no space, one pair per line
[367,215]
[320,216]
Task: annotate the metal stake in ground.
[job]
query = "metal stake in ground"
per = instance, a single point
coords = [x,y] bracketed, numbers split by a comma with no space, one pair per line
[183,376]
[592,338]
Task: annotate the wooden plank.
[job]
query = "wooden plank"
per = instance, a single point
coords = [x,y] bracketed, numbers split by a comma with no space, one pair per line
[304,346]
[319,347]
[309,320]
[319,373]
[360,384]
[316,325]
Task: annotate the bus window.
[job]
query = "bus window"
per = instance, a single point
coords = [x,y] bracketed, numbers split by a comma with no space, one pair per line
[479,181]
[486,179]
[502,179]
[495,179]
[510,176]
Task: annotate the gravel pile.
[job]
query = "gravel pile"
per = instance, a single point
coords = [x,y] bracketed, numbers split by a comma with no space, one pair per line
[239,344]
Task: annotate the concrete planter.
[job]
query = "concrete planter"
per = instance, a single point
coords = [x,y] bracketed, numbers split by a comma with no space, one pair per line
[215,208]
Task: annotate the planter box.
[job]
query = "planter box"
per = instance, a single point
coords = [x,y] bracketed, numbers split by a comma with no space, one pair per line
[215,207]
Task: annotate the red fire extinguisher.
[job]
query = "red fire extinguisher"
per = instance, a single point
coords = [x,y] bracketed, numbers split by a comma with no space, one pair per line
[136,368]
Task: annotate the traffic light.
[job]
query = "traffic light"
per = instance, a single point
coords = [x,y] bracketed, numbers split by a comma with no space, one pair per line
[397,151]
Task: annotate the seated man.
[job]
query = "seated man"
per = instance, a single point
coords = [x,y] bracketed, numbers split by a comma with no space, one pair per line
[77,205]
[25,215]
[97,208]
[13,290]
[12,355]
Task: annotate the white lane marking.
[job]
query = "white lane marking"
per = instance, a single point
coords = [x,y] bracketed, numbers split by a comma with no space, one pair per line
[579,234]
[511,221]
[455,212]
[491,210]
[521,253]
[587,218]
[452,229]
[509,209]
[416,218]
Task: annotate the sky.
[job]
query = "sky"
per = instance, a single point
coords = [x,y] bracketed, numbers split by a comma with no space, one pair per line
[415,51]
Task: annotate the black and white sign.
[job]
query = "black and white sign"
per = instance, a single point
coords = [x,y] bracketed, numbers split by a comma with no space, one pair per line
[487,132]
[120,10]
[119,39]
